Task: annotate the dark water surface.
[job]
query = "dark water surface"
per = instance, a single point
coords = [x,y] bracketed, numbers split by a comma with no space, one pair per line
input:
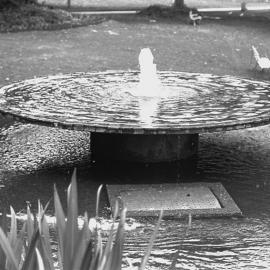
[33,158]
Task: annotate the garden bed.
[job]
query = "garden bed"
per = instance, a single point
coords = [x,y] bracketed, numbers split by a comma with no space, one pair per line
[35,17]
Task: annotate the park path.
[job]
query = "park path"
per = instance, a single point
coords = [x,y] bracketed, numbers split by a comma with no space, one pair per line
[137,4]
[215,47]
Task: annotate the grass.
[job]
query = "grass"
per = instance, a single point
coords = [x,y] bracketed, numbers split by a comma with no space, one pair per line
[30,247]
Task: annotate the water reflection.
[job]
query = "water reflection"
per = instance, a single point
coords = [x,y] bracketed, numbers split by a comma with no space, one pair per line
[148,108]
[209,244]
[34,157]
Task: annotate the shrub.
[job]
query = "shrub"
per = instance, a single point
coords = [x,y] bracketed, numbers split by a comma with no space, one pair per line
[38,17]
[14,3]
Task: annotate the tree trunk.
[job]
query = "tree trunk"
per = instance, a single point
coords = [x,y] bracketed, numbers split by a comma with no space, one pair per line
[179,4]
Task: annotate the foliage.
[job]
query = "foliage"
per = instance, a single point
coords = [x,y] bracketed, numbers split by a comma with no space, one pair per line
[14,3]
[37,17]
[30,248]
[165,12]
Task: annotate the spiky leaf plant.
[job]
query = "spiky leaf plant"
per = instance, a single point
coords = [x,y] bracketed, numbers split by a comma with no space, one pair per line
[72,242]
[18,250]
[82,249]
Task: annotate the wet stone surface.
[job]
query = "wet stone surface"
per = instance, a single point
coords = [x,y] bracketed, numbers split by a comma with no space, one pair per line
[104,102]
[198,199]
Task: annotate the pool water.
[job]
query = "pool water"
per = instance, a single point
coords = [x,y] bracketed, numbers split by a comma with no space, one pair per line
[33,158]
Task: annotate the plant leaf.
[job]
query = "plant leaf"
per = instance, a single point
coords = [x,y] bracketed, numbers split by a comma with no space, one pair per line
[98,199]
[29,261]
[87,258]
[71,232]
[44,245]
[107,258]
[4,243]
[13,228]
[82,244]
[4,228]
[60,225]
[117,252]
[39,260]
[151,243]
[12,235]
[18,249]
[97,253]
[30,225]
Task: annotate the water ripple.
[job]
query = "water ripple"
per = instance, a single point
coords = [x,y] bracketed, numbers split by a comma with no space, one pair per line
[192,103]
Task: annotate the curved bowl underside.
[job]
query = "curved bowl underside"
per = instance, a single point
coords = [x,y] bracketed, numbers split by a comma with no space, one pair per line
[187,103]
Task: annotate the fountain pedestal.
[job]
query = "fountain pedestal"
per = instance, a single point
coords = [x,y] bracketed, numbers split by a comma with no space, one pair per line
[143,148]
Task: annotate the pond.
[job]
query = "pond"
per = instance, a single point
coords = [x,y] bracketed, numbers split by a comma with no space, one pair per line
[36,157]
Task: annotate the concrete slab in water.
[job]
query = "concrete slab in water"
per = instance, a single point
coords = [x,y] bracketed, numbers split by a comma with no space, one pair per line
[198,199]
[169,197]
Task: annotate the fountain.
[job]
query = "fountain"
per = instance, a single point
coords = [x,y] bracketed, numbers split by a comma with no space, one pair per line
[145,116]
[149,83]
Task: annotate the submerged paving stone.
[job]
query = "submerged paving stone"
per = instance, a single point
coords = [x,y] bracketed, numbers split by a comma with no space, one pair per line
[179,197]
[198,199]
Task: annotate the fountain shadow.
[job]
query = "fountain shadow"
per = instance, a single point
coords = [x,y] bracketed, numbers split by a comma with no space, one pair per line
[144,173]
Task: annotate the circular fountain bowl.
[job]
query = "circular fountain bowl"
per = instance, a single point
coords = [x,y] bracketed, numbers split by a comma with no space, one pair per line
[116,112]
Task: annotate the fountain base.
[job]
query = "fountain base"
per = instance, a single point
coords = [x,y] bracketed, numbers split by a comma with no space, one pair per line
[143,148]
